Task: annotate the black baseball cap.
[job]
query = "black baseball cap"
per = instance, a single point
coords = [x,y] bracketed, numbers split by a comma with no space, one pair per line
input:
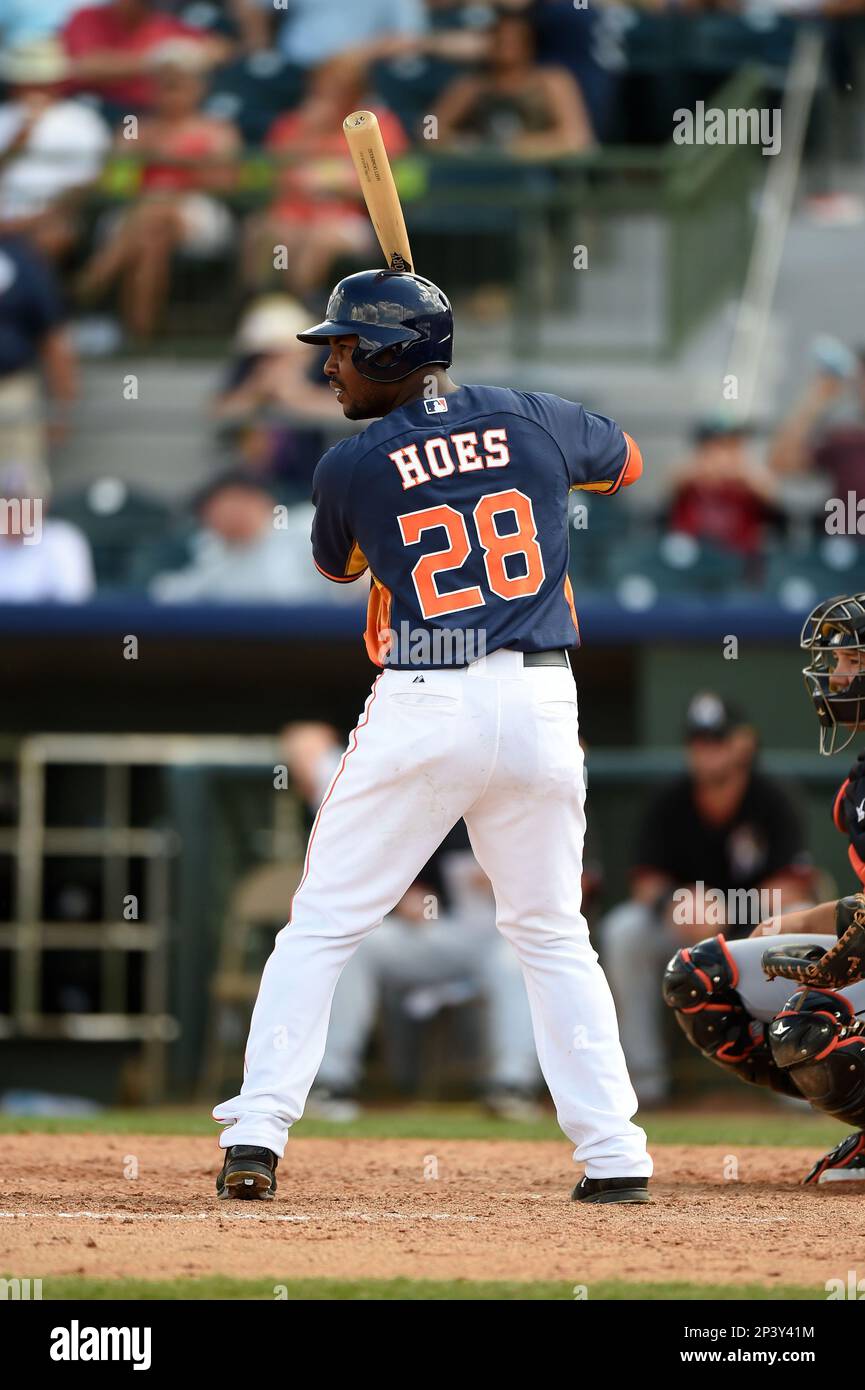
[722,425]
[234,478]
[711,716]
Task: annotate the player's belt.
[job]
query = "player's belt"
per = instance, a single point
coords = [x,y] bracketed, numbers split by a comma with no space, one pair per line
[556,657]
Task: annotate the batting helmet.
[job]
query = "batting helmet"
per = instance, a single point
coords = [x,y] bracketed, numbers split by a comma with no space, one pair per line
[402,322]
[836,626]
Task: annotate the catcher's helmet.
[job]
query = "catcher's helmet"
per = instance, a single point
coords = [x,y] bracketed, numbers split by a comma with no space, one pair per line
[834,626]
[398,317]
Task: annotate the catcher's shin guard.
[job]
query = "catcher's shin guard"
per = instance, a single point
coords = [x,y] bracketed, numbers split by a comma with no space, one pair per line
[817,1040]
[700,985]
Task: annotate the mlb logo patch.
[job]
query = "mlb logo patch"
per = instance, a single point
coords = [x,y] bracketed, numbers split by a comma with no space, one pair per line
[436,407]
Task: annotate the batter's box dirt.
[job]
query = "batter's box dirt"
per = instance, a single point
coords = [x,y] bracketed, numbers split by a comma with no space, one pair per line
[387,1208]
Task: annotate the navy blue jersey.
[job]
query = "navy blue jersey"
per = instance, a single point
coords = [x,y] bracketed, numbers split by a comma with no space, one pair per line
[849,816]
[459,508]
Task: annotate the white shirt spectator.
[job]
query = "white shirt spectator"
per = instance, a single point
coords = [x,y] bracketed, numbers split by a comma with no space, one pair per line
[56,568]
[66,148]
[275,568]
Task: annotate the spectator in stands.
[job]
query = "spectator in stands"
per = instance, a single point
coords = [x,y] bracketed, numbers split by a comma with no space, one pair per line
[110,46]
[51,146]
[248,550]
[268,406]
[721,828]
[318,215]
[311,32]
[438,947]
[514,103]
[720,494]
[588,42]
[23,21]
[41,561]
[38,369]
[179,209]
[826,430]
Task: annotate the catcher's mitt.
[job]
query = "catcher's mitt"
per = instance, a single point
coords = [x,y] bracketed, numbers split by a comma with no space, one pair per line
[842,964]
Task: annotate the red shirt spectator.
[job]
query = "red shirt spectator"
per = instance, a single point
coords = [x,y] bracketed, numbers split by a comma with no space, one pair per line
[728,515]
[122,33]
[323,183]
[720,495]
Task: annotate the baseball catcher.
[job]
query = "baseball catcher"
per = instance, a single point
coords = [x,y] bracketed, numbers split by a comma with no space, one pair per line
[733,999]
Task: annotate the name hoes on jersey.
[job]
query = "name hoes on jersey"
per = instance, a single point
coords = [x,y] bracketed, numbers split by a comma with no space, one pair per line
[439,456]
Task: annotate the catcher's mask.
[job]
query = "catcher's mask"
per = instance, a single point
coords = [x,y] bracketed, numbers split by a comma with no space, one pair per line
[838,695]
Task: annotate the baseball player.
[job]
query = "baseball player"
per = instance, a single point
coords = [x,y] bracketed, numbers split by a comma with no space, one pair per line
[732,999]
[455,499]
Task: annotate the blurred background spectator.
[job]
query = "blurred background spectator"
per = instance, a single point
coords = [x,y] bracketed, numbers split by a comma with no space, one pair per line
[187,157]
[722,826]
[52,148]
[41,560]
[514,103]
[318,215]
[825,432]
[247,549]
[110,47]
[268,408]
[309,34]
[720,494]
[38,370]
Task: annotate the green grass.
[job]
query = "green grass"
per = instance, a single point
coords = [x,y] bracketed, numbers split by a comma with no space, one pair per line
[415,1290]
[772,1125]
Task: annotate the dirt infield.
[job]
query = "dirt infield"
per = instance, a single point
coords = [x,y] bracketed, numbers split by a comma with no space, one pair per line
[364,1208]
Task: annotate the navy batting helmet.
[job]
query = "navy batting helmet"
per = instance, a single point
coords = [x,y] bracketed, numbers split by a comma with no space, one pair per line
[399,317]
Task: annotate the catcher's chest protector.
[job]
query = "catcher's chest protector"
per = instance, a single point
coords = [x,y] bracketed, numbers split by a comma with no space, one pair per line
[849,815]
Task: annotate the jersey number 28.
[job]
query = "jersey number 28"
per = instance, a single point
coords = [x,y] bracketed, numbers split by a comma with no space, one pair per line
[496,549]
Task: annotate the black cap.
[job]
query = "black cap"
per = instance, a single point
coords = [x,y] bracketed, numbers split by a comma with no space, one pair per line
[722,425]
[711,716]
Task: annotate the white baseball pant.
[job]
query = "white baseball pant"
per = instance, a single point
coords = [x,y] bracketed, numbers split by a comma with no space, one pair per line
[497,743]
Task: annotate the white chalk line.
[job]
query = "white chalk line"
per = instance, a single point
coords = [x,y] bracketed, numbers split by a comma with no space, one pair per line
[123,1217]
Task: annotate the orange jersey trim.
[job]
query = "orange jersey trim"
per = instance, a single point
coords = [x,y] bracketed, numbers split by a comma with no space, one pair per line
[354,567]
[377,635]
[631,470]
[336,578]
[569,599]
[836,807]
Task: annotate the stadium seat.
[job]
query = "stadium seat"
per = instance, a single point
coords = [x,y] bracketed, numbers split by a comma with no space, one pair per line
[116,520]
[642,571]
[835,565]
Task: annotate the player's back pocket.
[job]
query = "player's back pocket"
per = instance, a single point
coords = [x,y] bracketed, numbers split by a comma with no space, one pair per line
[433,690]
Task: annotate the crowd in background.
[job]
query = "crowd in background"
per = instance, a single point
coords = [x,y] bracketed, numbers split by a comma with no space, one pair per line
[142,137]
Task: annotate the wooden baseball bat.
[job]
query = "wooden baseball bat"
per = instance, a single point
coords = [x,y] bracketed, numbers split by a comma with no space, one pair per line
[364,138]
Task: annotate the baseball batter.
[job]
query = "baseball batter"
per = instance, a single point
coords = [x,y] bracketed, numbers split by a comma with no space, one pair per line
[733,999]
[456,501]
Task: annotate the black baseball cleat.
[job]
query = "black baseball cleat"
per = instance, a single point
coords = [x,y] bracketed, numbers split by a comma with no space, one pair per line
[844,1163]
[611,1190]
[248,1172]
